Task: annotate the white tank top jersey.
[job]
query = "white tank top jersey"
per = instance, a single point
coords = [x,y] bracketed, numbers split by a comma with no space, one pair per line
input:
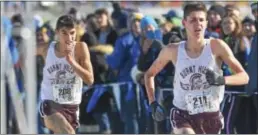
[60,82]
[191,90]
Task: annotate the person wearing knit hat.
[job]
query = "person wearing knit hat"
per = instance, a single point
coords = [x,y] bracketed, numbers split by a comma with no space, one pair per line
[215,13]
[248,26]
[120,22]
[150,28]
[134,18]
[173,18]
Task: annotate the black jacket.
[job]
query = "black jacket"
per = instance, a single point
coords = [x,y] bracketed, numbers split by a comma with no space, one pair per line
[111,38]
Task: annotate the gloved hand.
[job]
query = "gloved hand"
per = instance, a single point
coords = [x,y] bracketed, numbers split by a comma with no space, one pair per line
[158,112]
[214,79]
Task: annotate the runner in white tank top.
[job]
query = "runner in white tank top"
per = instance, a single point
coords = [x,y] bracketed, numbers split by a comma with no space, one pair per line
[198,82]
[60,82]
[192,92]
[67,66]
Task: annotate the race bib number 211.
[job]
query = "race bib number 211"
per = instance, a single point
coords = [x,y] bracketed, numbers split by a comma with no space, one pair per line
[199,103]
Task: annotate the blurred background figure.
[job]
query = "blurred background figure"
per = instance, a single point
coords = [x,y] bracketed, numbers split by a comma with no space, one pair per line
[233,9]
[124,57]
[252,86]
[106,33]
[80,25]
[249,30]
[215,14]
[173,18]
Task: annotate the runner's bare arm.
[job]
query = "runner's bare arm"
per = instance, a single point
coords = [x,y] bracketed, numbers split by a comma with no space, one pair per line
[156,67]
[224,52]
[84,67]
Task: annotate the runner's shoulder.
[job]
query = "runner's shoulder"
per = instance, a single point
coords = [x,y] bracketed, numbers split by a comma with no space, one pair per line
[81,46]
[172,47]
[217,45]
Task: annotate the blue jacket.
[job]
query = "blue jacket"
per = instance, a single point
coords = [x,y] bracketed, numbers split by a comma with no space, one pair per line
[209,34]
[125,56]
[252,67]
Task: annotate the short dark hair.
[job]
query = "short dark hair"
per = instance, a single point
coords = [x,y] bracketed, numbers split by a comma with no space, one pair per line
[17,18]
[194,6]
[101,11]
[65,21]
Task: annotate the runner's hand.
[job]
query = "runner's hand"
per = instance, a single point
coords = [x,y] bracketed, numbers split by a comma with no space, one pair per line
[69,50]
[158,112]
[214,78]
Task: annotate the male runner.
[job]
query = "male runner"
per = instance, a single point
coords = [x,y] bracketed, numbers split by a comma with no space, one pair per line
[67,65]
[198,83]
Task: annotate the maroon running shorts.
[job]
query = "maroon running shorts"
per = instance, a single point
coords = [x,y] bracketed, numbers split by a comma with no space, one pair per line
[203,123]
[70,112]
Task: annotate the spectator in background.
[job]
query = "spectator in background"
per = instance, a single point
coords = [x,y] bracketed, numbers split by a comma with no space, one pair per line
[175,32]
[169,31]
[9,46]
[17,21]
[116,11]
[91,23]
[166,27]
[150,34]
[80,26]
[104,105]
[124,57]
[91,26]
[174,35]
[101,74]
[44,35]
[100,112]
[160,20]
[248,28]
[173,18]
[43,39]
[16,46]
[106,33]
[119,20]
[234,116]
[252,68]
[254,8]
[233,8]
[151,45]
[215,14]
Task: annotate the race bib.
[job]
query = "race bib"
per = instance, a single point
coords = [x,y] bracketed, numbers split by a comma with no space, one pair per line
[64,93]
[199,103]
